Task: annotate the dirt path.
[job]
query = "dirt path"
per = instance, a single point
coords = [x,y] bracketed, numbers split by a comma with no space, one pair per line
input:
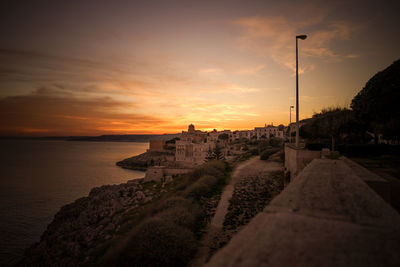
[252,167]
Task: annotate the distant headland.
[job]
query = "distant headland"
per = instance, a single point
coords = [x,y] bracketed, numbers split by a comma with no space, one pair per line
[100,138]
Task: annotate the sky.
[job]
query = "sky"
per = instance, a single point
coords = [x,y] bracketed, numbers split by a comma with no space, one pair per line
[152,67]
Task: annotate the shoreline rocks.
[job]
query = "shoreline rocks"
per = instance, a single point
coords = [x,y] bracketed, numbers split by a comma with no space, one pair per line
[147,159]
[82,228]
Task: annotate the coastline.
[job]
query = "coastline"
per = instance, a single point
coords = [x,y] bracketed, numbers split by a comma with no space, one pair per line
[82,231]
[149,158]
[40,176]
[105,226]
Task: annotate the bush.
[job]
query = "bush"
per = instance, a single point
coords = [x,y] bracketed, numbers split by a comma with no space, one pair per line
[243,156]
[254,152]
[201,187]
[158,243]
[172,202]
[181,215]
[267,153]
[263,145]
[215,168]
[276,142]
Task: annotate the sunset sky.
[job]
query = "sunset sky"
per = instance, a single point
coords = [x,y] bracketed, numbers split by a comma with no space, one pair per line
[134,67]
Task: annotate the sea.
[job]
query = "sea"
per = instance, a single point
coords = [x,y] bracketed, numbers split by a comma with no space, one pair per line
[37,177]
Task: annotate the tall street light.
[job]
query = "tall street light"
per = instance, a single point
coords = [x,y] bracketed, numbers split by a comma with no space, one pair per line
[302,37]
[290,124]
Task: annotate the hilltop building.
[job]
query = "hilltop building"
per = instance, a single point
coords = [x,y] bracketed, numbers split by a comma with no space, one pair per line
[268,131]
[193,146]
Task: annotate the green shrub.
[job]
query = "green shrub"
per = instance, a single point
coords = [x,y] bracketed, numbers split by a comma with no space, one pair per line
[180,215]
[254,152]
[172,202]
[158,243]
[202,187]
[179,210]
[267,153]
[263,145]
[243,156]
[276,142]
[215,168]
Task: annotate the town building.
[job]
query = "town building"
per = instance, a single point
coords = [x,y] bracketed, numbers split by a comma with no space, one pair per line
[193,146]
[268,131]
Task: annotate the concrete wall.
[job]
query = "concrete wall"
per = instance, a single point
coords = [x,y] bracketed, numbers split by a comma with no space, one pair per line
[297,158]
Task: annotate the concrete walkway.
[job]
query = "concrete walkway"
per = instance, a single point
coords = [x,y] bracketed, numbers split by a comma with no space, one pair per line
[252,167]
[327,216]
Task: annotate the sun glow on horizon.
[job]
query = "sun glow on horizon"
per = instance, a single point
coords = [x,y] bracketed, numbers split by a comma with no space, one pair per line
[217,66]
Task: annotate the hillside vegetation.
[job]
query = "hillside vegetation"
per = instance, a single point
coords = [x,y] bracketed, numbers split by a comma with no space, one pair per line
[135,224]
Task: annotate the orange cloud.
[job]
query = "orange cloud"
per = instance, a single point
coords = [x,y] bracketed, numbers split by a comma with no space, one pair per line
[274,37]
[55,115]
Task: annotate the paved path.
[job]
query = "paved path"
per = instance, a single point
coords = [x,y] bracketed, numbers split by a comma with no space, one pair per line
[252,167]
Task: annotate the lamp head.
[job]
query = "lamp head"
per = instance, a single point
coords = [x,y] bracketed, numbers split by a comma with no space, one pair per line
[302,37]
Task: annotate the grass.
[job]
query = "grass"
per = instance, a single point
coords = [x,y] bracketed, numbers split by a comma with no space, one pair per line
[268,152]
[166,232]
[158,242]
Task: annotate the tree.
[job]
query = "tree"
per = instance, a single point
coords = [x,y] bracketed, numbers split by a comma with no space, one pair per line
[376,104]
[215,154]
[333,123]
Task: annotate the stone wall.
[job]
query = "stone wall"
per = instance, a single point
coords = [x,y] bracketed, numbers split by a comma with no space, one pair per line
[327,216]
[157,144]
[160,173]
[297,158]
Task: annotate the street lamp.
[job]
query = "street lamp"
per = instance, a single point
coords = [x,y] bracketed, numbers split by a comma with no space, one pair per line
[290,124]
[302,37]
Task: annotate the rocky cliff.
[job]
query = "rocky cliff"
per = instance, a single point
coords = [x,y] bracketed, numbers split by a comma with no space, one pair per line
[82,230]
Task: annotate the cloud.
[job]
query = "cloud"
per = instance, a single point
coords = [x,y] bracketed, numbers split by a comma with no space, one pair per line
[71,73]
[211,71]
[250,70]
[42,113]
[234,89]
[274,37]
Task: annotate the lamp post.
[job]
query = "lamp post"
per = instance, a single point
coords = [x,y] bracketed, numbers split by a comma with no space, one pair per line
[290,124]
[302,37]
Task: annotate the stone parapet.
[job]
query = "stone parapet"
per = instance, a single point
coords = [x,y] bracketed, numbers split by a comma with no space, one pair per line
[327,216]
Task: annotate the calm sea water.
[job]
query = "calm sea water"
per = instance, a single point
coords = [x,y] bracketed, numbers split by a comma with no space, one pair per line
[38,177]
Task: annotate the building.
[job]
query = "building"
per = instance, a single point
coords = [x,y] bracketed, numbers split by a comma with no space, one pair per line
[157,145]
[193,146]
[268,131]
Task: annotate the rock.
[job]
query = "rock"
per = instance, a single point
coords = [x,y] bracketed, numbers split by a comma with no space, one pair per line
[83,226]
[168,179]
[147,199]
[140,195]
[149,158]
